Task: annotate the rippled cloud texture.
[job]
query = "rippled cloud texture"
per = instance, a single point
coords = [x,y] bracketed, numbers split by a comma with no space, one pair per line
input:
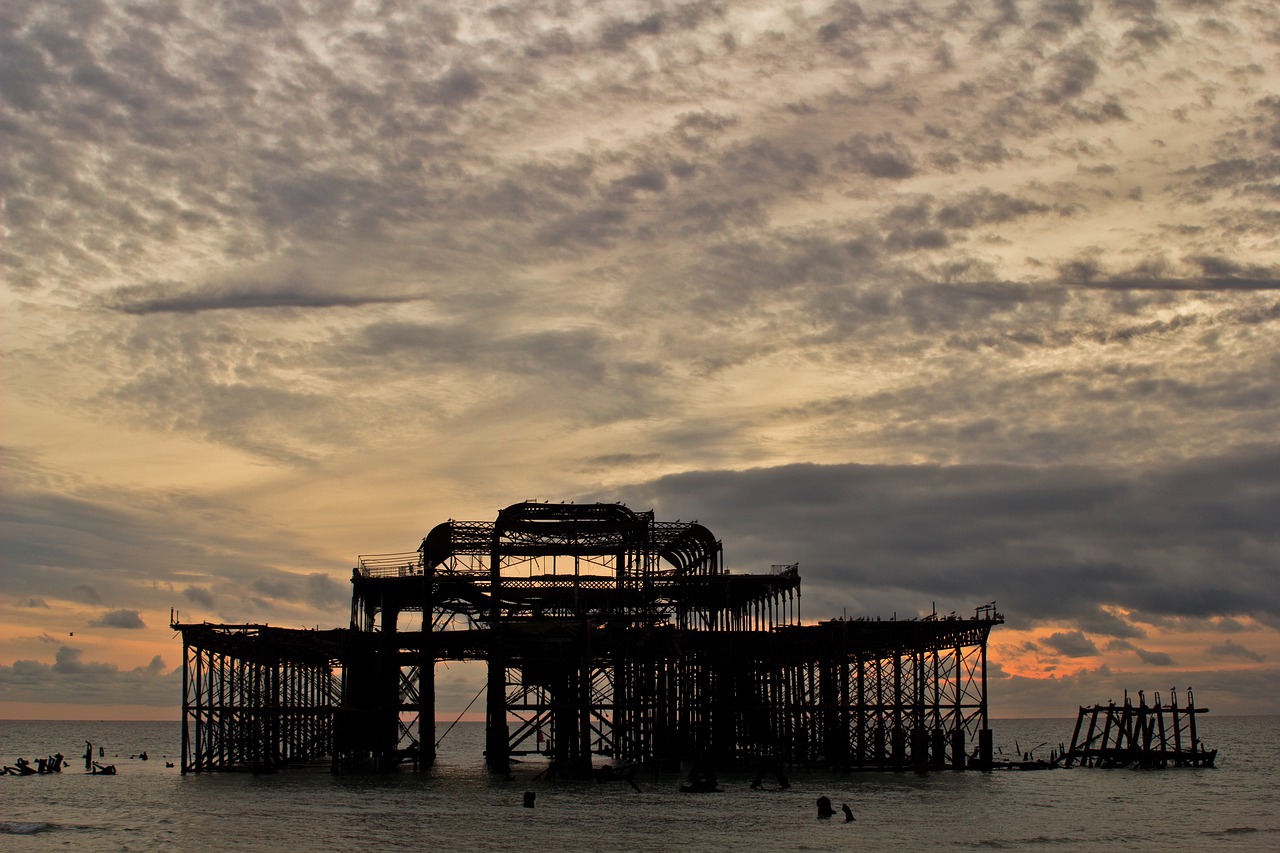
[949,301]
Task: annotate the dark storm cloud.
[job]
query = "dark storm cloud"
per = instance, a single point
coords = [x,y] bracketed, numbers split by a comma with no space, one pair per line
[1025,536]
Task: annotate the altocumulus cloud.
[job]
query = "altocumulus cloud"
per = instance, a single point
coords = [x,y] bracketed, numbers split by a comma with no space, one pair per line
[119,619]
[963,302]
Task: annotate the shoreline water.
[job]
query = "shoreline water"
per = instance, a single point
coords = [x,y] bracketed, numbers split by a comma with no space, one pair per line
[461,806]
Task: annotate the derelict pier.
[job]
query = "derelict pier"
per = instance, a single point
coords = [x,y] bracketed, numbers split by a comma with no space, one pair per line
[605,632]
[1146,736]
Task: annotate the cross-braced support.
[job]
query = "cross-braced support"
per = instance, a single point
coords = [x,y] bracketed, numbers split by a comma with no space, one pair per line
[256,698]
[610,634]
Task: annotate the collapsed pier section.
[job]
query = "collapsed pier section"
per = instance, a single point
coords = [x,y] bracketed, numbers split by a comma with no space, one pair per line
[1145,736]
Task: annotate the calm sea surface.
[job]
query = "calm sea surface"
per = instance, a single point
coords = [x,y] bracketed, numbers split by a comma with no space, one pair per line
[460,807]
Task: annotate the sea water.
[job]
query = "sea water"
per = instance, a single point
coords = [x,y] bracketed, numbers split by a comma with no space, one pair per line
[459,806]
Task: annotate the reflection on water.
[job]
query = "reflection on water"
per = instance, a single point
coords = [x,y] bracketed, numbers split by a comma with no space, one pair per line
[459,806]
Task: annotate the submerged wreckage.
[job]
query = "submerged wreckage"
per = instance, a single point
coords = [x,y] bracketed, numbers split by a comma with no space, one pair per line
[606,633]
[1143,736]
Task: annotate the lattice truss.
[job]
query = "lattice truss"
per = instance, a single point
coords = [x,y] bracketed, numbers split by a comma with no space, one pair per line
[863,711]
[606,633]
[408,728]
[250,704]
[555,561]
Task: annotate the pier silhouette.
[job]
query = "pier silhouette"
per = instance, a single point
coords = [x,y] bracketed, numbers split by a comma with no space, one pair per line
[606,632]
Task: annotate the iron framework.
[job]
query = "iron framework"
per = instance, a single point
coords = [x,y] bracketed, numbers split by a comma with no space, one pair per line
[606,633]
[256,698]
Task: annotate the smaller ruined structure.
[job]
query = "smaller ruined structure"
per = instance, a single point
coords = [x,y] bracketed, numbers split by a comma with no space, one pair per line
[1147,736]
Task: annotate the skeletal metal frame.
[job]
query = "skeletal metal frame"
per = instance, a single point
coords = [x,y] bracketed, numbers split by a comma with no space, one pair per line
[1149,736]
[254,699]
[606,633]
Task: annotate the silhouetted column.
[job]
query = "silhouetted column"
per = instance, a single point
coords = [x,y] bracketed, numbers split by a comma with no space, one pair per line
[985,752]
[426,698]
[497,735]
[389,689]
[427,670]
[920,750]
[938,754]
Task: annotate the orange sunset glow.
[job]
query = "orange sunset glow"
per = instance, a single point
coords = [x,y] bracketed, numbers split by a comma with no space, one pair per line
[949,305]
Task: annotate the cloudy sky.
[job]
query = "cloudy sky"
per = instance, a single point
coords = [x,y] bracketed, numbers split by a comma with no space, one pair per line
[949,301]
